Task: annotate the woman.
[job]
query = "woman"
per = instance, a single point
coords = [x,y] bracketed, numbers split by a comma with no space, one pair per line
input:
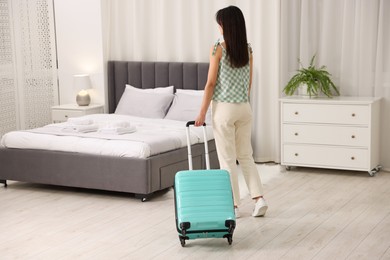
[228,88]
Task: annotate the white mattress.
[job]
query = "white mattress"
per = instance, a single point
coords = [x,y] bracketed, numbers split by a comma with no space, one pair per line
[152,136]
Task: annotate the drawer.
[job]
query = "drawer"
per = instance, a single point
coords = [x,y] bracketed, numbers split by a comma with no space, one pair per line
[326,134]
[325,156]
[326,113]
[63,115]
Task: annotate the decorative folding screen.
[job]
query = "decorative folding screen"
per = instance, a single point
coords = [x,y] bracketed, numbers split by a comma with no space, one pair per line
[28,70]
[8,119]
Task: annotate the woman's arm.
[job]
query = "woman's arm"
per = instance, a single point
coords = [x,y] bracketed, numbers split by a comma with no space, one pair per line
[210,85]
[250,73]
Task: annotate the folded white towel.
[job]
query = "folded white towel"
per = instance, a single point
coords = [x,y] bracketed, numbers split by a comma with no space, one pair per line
[80,128]
[79,121]
[117,130]
[118,124]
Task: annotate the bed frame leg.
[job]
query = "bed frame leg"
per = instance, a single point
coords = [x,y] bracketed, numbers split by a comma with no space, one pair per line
[4,182]
[142,197]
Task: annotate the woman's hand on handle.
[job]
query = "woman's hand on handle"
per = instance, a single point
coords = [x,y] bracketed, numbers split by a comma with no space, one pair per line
[199,121]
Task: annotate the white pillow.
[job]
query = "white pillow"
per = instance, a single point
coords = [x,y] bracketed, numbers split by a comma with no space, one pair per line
[191,92]
[141,103]
[166,90]
[186,106]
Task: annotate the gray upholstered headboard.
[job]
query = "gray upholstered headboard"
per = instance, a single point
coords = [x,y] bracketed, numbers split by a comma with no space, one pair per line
[181,75]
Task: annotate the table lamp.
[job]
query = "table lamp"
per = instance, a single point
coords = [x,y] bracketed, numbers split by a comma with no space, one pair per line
[82,82]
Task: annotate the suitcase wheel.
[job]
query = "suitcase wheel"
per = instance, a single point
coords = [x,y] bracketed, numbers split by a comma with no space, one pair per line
[230,239]
[182,241]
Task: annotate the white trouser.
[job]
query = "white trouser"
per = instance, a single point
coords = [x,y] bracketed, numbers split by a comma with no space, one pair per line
[232,126]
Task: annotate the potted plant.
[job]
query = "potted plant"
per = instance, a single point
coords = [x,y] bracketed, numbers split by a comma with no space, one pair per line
[313,80]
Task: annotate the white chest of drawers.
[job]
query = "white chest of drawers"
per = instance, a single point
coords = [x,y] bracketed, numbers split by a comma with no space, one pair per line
[337,133]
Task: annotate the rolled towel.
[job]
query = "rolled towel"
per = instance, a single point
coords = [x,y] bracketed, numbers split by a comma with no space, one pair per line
[80,128]
[79,121]
[117,130]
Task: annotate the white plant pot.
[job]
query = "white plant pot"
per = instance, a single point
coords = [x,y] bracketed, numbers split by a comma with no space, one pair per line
[302,90]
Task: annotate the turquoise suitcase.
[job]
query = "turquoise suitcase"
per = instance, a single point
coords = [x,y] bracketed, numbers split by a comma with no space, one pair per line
[203,201]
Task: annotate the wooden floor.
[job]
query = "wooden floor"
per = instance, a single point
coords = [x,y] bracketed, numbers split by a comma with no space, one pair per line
[313,214]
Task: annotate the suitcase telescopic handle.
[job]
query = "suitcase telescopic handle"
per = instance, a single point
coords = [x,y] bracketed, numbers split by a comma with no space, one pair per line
[206,147]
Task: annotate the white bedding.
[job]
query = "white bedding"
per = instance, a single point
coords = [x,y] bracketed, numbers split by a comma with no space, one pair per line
[151,137]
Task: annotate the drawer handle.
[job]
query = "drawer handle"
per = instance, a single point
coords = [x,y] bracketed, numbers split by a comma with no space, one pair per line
[353,136]
[66,116]
[296,134]
[352,158]
[296,154]
[296,113]
[353,114]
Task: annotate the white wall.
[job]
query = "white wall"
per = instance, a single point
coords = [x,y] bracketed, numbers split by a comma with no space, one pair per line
[79,47]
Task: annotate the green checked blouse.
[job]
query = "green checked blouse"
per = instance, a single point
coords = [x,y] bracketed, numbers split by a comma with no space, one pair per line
[232,83]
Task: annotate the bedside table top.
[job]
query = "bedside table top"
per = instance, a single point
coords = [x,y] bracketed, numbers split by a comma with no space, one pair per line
[76,107]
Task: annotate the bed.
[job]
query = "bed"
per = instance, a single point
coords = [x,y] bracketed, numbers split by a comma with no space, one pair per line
[139,176]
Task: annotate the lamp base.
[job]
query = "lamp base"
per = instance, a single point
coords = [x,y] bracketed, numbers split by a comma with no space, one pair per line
[83,100]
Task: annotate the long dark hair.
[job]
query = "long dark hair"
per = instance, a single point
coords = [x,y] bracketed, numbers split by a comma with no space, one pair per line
[232,22]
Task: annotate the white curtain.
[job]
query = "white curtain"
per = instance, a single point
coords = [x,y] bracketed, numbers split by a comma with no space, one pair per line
[350,37]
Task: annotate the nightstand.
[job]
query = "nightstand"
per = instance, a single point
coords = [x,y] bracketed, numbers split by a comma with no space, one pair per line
[63,112]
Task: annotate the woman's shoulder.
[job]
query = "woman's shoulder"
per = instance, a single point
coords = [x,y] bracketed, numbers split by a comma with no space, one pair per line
[216,49]
[250,48]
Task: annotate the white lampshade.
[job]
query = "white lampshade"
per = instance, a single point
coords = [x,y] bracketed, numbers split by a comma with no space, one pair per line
[81,83]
